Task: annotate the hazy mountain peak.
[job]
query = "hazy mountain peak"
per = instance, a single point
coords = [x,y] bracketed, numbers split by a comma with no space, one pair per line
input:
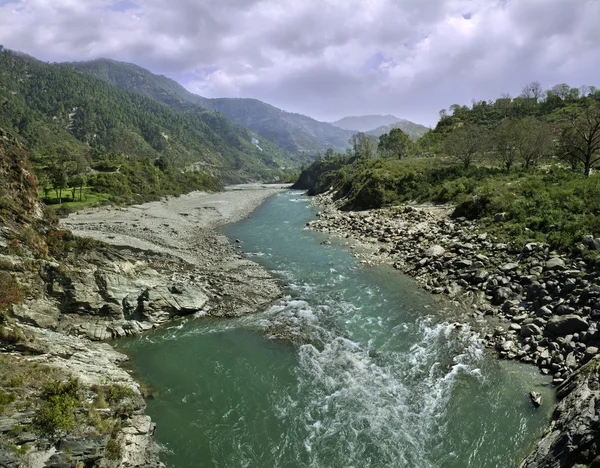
[365,123]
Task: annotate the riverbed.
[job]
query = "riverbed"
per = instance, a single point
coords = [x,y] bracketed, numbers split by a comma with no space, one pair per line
[356,366]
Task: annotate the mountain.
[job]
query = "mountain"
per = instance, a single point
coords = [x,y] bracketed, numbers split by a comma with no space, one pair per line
[377,125]
[56,107]
[413,130]
[296,133]
[366,123]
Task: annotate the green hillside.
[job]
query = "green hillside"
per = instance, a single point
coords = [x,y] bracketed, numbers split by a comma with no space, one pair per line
[294,132]
[55,105]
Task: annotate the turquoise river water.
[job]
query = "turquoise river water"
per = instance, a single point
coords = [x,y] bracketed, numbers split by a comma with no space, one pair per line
[373,375]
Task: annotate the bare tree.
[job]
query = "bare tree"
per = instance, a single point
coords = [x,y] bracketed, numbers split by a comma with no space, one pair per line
[580,135]
[532,90]
[504,140]
[533,140]
[466,144]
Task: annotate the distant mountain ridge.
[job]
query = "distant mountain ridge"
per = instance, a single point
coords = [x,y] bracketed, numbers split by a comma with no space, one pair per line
[377,125]
[294,132]
[365,123]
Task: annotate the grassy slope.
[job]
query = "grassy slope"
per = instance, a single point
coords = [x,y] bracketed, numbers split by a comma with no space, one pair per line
[551,204]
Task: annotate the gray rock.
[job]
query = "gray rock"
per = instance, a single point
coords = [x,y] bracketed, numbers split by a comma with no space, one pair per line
[435,251]
[501,295]
[555,263]
[591,242]
[530,329]
[571,439]
[566,324]
[463,263]
[509,267]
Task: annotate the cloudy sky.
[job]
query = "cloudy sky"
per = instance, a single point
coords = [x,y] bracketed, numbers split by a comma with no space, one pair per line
[326,58]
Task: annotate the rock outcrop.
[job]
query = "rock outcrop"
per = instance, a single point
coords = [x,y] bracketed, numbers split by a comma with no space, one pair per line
[573,438]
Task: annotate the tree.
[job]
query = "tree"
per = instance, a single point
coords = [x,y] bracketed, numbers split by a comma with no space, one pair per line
[504,140]
[532,90]
[533,140]
[561,90]
[466,143]
[362,145]
[580,134]
[394,144]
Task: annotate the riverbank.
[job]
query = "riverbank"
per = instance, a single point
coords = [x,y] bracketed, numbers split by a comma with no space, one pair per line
[135,269]
[547,303]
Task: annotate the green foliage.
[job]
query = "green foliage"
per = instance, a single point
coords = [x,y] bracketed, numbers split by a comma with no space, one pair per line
[117,392]
[58,403]
[557,206]
[395,144]
[6,398]
[59,111]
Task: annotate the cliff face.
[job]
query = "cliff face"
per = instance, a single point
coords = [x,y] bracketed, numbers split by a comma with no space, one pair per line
[573,438]
[64,401]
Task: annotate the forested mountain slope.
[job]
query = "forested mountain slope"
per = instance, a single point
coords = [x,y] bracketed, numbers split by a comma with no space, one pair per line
[52,106]
[294,132]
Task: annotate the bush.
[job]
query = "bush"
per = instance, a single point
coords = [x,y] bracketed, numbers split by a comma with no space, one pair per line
[56,412]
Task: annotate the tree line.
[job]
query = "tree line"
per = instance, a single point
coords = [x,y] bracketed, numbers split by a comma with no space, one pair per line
[562,123]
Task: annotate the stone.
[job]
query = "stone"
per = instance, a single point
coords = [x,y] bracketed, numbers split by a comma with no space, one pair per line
[555,263]
[463,263]
[530,329]
[509,267]
[435,251]
[500,217]
[501,295]
[563,325]
[591,242]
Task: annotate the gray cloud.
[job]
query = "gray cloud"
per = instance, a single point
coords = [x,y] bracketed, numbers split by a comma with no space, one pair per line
[325,58]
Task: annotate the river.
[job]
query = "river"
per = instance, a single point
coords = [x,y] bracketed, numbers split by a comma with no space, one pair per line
[355,367]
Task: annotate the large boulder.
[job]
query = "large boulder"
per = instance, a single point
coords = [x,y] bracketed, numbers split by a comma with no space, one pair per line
[555,263]
[158,304]
[435,251]
[564,325]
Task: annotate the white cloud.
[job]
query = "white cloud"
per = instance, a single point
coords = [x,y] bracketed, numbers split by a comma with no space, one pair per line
[326,58]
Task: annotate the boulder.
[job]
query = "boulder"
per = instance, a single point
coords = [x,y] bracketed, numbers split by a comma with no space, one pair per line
[555,263]
[435,251]
[158,304]
[591,242]
[566,325]
[501,295]
[530,329]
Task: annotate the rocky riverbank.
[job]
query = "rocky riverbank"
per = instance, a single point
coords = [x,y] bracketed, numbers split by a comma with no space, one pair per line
[125,271]
[547,305]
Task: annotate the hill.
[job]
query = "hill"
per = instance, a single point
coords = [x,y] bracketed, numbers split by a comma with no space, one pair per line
[294,132]
[413,130]
[365,123]
[56,106]
[377,125]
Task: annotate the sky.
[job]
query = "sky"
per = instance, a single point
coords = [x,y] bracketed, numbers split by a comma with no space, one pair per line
[326,58]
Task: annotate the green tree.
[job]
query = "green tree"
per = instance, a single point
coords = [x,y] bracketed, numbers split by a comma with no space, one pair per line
[362,145]
[466,144]
[580,134]
[395,144]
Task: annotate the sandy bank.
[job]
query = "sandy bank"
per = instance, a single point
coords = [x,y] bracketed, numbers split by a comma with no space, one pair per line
[173,225]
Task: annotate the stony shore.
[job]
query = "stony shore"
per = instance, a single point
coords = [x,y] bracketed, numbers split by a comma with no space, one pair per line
[533,304]
[147,265]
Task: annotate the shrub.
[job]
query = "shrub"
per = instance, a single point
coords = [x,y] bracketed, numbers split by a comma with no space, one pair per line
[56,412]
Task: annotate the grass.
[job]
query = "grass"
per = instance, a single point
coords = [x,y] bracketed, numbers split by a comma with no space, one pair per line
[551,204]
